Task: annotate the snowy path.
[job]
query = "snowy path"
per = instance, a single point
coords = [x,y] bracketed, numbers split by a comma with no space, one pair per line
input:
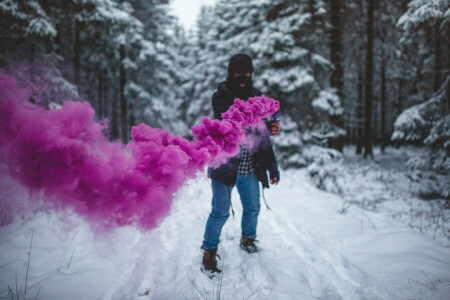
[308,251]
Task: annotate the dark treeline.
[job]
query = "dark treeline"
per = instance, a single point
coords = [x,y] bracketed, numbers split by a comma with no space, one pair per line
[343,70]
[117,54]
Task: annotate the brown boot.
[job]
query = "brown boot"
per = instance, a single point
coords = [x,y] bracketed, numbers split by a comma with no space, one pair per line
[209,263]
[248,245]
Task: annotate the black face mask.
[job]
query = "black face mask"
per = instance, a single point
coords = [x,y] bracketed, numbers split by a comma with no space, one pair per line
[234,83]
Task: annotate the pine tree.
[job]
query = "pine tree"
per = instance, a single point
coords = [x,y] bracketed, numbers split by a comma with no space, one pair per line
[429,16]
[428,124]
[28,32]
[282,38]
[336,80]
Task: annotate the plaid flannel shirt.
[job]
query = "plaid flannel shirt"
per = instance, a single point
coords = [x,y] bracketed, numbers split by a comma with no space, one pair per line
[247,164]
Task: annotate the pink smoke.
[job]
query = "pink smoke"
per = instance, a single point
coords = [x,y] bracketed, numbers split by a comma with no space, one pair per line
[65,154]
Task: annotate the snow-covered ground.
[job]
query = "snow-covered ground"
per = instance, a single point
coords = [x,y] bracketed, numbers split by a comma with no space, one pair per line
[385,185]
[361,244]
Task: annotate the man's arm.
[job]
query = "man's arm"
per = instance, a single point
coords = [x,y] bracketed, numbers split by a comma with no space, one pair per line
[270,160]
[274,174]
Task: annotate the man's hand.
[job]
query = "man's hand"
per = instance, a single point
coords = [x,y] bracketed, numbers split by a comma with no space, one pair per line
[274,181]
[275,128]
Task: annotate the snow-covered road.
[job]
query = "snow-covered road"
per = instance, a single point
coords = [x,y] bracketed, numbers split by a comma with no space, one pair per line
[309,250]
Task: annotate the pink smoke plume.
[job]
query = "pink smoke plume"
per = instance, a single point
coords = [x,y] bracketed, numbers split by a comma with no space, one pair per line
[65,154]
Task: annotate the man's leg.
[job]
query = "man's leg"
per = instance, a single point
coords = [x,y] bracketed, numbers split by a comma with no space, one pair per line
[219,215]
[248,187]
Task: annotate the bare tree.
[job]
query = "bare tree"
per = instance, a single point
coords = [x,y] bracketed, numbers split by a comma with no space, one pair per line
[437,56]
[77,55]
[383,100]
[100,94]
[123,100]
[369,81]
[360,105]
[337,76]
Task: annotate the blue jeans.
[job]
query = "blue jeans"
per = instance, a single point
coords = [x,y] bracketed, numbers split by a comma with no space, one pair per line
[248,188]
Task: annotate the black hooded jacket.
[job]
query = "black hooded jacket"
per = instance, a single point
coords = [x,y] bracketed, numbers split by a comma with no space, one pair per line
[265,159]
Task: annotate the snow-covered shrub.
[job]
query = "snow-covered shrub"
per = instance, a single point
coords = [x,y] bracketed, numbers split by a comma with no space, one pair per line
[429,124]
[418,161]
[439,142]
[321,155]
[326,135]
[324,176]
[288,144]
[328,101]
[296,149]
[414,124]
[324,167]
[420,12]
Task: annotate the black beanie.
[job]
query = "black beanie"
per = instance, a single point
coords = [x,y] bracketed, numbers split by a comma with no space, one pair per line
[240,63]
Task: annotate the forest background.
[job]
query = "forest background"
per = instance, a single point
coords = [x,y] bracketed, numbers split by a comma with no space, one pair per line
[363,72]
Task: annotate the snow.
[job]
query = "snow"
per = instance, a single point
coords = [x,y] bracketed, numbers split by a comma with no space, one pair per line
[420,11]
[413,123]
[108,10]
[41,27]
[320,60]
[395,190]
[329,101]
[292,79]
[314,244]
[427,123]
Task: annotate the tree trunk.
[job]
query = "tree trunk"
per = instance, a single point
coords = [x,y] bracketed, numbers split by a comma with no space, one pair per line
[132,117]
[32,61]
[114,125]
[58,40]
[100,94]
[349,130]
[437,57]
[369,82]
[447,99]
[336,79]
[77,56]
[123,101]
[400,97]
[375,111]
[105,94]
[383,102]
[312,11]
[359,126]
[405,6]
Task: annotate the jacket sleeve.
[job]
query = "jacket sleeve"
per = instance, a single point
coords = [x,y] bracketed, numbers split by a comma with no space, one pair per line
[273,165]
[270,159]
[220,105]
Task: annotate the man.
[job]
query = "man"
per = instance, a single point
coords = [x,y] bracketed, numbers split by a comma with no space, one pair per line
[244,170]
